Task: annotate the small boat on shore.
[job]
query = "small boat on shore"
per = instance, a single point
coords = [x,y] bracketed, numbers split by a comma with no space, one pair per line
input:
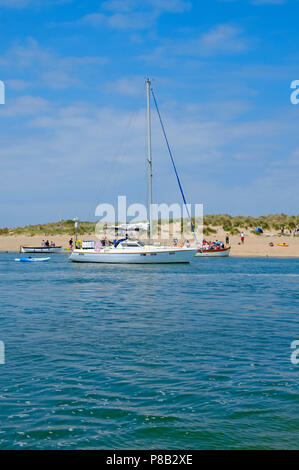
[31,260]
[40,249]
[214,253]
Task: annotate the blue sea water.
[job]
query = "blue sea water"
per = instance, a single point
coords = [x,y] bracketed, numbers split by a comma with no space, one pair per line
[149,357]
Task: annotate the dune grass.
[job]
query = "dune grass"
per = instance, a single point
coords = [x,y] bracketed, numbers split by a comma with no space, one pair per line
[232,225]
[235,224]
[64,227]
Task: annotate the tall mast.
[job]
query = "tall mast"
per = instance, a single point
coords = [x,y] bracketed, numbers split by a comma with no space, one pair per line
[149,159]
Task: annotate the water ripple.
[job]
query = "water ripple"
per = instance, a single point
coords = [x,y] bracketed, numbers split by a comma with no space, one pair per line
[191,357]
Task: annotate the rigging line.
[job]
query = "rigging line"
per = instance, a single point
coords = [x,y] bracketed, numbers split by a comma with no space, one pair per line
[121,148]
[173,164]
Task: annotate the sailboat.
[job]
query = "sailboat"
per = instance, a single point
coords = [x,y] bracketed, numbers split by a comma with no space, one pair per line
[132,251]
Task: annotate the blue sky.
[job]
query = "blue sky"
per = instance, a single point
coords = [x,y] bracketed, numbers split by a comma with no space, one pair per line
[73,130]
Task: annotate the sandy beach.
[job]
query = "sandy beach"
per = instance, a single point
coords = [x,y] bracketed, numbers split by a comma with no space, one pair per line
[12,243]
[258,245]
[253,246]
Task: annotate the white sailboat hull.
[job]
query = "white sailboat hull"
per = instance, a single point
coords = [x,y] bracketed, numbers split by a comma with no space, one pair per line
[117,256]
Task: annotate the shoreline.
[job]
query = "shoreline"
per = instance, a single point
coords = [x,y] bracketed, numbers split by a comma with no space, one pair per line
[265,256]
[230,256]
[254,246]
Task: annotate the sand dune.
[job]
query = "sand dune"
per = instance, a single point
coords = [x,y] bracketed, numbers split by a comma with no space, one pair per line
[254,245]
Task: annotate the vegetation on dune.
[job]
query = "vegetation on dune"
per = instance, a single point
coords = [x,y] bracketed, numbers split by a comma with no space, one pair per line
[232,225]
[208,230]
[64,227]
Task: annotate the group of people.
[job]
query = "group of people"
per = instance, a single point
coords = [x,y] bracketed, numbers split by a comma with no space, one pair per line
[216,245]
[295,231]
[176,242]
[47,244]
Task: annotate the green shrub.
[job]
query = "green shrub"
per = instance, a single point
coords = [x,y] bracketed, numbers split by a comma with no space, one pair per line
[208,230]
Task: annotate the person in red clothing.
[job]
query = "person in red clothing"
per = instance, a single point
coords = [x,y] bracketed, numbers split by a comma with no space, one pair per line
[242,237]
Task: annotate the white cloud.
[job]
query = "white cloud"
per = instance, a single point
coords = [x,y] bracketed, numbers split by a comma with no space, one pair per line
[90,148]
[224,39]
[121,21]
[82,61]
[50,69]
[30,53]
[138,20]
[131,14]
[130,86]
[173,6]
[24,105]
[92,19]
[25,55]
[18,84]
[119,5]
[59,79]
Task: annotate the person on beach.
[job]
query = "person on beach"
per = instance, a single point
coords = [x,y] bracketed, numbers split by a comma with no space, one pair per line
[242,237]
[227,239]
[71,243]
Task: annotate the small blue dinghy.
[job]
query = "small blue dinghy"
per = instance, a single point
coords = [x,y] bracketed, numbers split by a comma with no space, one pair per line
[30,260]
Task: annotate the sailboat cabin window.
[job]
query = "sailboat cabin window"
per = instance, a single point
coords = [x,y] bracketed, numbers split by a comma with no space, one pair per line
[131,244]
